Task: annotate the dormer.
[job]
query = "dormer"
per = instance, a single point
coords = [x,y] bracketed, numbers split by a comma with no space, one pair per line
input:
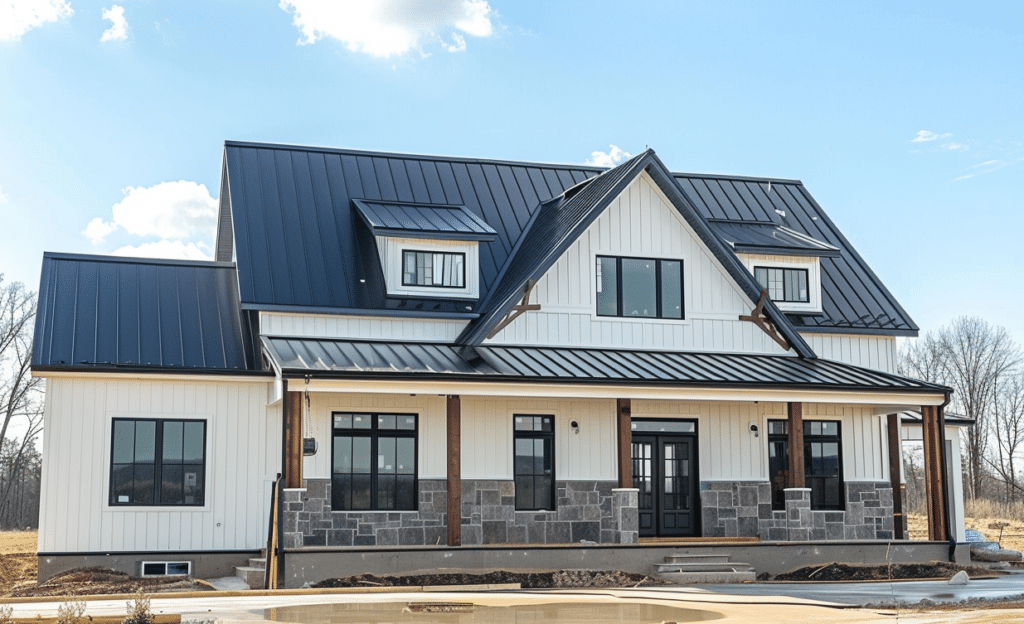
[782,260]
[427,250]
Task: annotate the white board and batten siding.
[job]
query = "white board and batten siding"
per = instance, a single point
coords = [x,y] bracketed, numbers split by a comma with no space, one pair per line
[729,451]
[642,223]
[243,450]
[874,352]
[360,327]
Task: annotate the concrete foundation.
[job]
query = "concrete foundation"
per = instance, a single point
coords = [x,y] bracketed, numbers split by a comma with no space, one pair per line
[312,565]
[204,564]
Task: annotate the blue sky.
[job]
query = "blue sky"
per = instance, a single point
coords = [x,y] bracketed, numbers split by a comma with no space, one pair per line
[905,120]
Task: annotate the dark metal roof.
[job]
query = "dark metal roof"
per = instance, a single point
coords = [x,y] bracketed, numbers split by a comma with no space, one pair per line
[853,299]
[299,242]
[912,417]
[769,238]
[391,360]
[112,313]
[423,221]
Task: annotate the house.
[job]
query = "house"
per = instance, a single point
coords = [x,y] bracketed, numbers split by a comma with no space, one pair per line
[440,354]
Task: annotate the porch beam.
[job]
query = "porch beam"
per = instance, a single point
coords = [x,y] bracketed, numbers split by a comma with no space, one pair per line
[454,447]
[935,487]
[895,475]
[624,410]
[795,412]
[292,406]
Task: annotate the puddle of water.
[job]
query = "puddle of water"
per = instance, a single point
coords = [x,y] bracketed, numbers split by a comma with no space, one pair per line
[467,613]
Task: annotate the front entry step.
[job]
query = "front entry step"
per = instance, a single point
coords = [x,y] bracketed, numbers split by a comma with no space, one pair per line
[253,574]
[703,569]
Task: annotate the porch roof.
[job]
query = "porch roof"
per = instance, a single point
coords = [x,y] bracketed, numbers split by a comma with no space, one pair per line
[346,359]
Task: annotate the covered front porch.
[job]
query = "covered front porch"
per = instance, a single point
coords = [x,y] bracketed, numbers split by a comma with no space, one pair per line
[530,447]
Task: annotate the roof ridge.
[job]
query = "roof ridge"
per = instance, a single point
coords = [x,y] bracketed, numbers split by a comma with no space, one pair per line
[212,264]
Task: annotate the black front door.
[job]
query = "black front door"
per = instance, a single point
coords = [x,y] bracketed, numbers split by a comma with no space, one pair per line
[665,473]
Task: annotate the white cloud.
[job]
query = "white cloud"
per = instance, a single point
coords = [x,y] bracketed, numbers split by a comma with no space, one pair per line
[3,197]
[182,215]
[964,177]
[987,163]
[955,147]
[384,28]
[118,30]
[166,249]
[17,17]
[612,157]
[923,136]
[98,229]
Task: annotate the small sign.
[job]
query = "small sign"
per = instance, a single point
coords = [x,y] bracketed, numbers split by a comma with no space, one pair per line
[122,499]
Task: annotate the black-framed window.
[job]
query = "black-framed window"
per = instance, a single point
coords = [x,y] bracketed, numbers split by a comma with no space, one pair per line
[373,461]
[445,269]
[784,284]
[158,462]
[823,462]
[534,465]
[639,287]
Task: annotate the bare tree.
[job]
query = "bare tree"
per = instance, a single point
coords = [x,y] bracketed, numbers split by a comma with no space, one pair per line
[970,356]
[20,393]
[1008,433]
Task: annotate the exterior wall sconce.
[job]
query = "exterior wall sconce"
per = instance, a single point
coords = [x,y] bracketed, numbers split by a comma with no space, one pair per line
[575,427]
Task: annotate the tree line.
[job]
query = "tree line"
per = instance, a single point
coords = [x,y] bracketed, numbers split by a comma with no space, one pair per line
[984,366]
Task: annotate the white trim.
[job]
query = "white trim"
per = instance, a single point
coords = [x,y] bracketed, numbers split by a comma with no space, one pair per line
[808,263]
[883,400]
[100,375]
[391,248]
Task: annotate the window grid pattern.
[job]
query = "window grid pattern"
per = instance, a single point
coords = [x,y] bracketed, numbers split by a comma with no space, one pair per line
[639,287]
[783,284]
[443,269]
[158,462]
[373,462]
[823,462]
[534,439]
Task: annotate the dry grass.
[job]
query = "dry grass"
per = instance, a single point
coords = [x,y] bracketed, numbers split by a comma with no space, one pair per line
[1013,533]
[18,563]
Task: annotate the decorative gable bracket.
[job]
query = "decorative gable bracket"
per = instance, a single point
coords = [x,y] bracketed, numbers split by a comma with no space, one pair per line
[757,317]
[517,310]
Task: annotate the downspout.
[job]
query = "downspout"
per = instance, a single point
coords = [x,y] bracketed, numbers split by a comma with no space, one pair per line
[950,517]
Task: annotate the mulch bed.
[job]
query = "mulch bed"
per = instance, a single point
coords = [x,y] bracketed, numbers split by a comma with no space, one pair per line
[896,571]
[527,580]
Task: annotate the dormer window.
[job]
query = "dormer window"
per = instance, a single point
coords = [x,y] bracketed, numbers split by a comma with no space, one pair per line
[433,268]
[427,250]
[784,285]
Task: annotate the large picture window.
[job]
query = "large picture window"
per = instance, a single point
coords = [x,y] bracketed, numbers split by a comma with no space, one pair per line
[639,287]
[534,462]
[434,268]
[823,462]
[158,462]
[373,462]
[784,285]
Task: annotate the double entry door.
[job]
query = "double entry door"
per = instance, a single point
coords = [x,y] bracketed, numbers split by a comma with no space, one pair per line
[665,473]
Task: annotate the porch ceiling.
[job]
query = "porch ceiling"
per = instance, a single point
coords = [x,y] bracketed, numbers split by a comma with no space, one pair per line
[325,359]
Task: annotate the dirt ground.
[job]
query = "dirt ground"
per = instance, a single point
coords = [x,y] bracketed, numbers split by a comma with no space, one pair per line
[563,579]
[897,571]
[1013,535]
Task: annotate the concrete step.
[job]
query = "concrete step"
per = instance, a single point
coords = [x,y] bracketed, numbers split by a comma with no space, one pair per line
[253,577]
[258,562]
[707,578]
[680,558]
[663,568]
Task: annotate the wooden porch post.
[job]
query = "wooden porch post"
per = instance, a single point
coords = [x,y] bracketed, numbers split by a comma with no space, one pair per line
[454,443]
[935,487]
[796,445]
[292,406]
[895,480]
[624,410]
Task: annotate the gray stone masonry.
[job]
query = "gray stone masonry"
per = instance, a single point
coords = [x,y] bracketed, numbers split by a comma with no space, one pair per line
[744,509]
[586,511]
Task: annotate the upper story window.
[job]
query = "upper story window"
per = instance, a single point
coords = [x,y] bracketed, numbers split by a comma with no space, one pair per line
[433,268]
[784,284]
[639,287]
